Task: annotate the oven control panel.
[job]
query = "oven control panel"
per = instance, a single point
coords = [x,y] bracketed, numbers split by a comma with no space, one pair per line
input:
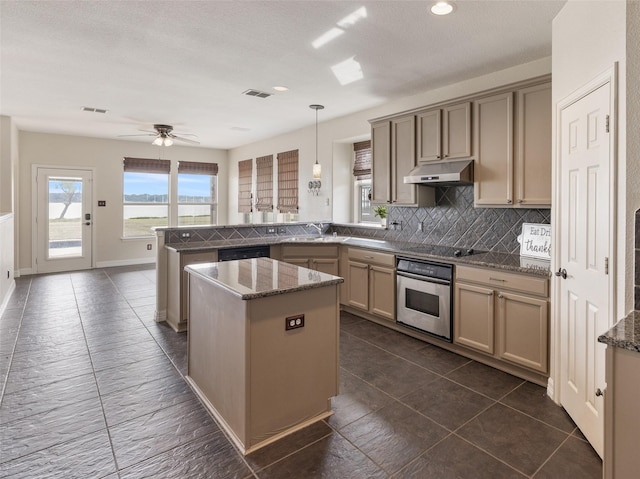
[427,269]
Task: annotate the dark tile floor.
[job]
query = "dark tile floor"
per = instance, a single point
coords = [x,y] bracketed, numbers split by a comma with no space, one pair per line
[93,387]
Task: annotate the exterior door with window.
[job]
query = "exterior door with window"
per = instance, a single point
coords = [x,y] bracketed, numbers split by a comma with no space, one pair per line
[63,220]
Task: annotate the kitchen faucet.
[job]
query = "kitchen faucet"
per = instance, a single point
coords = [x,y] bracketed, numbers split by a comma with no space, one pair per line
[318,227]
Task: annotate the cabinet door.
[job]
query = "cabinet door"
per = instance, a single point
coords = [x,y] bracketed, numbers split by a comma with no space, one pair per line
[457,131]
[403,159]
[382,292]
[358,290]
[493,137]
[325,265]
[473,317]
[429,136]
[186,259]
[303,262]
[522,330]
[381,162]
[533,153]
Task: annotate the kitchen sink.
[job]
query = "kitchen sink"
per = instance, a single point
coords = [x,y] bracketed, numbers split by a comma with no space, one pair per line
[316,239]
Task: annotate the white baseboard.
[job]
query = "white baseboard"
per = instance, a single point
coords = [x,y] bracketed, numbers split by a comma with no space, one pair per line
[5,300]
[125,262]
[25,272]
[550,388]
[160,316]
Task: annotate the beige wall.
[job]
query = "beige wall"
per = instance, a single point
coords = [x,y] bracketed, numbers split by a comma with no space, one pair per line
[588,38]
[354,127]
[105,156]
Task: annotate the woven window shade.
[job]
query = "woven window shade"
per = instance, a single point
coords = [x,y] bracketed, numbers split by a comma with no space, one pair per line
[146,165]
[362,163]
[245,170]
[264,191]
[288,181]
[196,168]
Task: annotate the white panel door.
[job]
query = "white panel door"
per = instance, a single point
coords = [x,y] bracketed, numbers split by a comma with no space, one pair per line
[584,250]
[63,233]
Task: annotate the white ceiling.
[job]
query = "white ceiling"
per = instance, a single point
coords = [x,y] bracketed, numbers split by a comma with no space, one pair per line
[186,63]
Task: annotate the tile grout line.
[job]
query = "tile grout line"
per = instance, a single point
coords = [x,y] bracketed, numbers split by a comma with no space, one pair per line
[15,343]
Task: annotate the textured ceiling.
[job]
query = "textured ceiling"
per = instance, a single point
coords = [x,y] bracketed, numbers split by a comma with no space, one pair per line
[186,63]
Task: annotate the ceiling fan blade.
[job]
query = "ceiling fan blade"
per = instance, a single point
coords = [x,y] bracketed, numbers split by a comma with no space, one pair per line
[144,134]
[186,140]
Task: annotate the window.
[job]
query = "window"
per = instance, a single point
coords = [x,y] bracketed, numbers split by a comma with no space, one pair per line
[245,198]
[197,193]
[146,195]
[362,189]
[288,184]
[264,190]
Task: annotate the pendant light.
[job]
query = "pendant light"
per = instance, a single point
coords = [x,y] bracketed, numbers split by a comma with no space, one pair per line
[317,167]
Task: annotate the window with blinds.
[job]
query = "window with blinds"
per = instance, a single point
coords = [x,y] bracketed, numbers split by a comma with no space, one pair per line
[264,190]
[362,162]
[288,181]
[197,193]
[245,173]
[145,201]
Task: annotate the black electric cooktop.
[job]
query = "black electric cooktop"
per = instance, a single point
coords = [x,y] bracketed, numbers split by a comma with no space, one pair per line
[445,251]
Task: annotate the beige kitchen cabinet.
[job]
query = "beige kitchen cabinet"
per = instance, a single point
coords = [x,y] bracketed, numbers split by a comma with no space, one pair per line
[371,282]
[621,422]
[503,314]
[513,151]
[393,156]
[533,146]
[178,284]
[444,133]
[323,258]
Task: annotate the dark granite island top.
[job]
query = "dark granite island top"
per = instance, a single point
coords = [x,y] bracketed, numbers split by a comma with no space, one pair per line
[261,277]
[625,334]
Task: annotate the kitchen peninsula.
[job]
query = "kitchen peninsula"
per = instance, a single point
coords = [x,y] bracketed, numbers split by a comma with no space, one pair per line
[263,346]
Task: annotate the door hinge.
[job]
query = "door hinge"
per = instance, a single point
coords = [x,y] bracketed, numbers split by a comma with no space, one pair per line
[606,265]
[606,124]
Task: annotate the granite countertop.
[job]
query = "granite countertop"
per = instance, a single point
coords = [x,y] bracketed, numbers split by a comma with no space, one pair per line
[625,334]
[261,277]
[503,261]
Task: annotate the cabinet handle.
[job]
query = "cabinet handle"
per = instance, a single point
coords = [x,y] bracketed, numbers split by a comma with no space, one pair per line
[368,257]
[497,279]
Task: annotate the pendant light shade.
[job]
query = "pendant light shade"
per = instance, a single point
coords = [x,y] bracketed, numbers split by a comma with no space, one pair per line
[317,167]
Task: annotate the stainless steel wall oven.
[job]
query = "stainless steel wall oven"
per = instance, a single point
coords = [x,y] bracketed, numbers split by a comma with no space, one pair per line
[424,296]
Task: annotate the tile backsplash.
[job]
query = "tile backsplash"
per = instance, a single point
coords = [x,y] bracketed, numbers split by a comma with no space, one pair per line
[455,222]
[452,222]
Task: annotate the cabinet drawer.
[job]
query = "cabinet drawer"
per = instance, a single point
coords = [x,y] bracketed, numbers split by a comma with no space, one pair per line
[502,280]
[372,257]
[310,251]
[195,257]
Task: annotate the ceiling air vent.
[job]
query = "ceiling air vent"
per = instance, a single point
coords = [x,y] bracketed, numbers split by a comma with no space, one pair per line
[258,93]
[94,110]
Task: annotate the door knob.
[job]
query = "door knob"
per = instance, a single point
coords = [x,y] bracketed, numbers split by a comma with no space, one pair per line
[561,272]
[88,223]
[599,392]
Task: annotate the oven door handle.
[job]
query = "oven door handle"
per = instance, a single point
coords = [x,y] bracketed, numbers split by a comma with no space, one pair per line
[427,279]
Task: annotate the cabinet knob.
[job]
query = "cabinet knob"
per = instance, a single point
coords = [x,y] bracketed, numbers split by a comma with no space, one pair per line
[500,296]
[599,392]
[520,200]
[509,201]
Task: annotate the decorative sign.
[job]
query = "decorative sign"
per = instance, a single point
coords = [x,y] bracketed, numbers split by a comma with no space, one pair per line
[535,241]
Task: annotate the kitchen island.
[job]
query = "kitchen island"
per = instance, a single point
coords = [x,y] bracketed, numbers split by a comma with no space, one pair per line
[263,346]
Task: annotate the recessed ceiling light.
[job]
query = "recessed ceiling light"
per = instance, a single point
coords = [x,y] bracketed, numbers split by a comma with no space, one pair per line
[443,8]
[280,88]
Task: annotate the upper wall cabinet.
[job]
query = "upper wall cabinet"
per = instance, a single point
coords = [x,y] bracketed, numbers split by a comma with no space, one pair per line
[513,152]
[444,133]
[394,155]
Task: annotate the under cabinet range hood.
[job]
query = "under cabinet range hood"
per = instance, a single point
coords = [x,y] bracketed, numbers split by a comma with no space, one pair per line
[442,173]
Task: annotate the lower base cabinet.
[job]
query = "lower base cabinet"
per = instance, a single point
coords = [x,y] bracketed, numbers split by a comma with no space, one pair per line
[323,258]
[504,315]
[371,282]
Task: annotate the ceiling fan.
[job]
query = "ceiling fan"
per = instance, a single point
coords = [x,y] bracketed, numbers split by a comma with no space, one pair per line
[165,136]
